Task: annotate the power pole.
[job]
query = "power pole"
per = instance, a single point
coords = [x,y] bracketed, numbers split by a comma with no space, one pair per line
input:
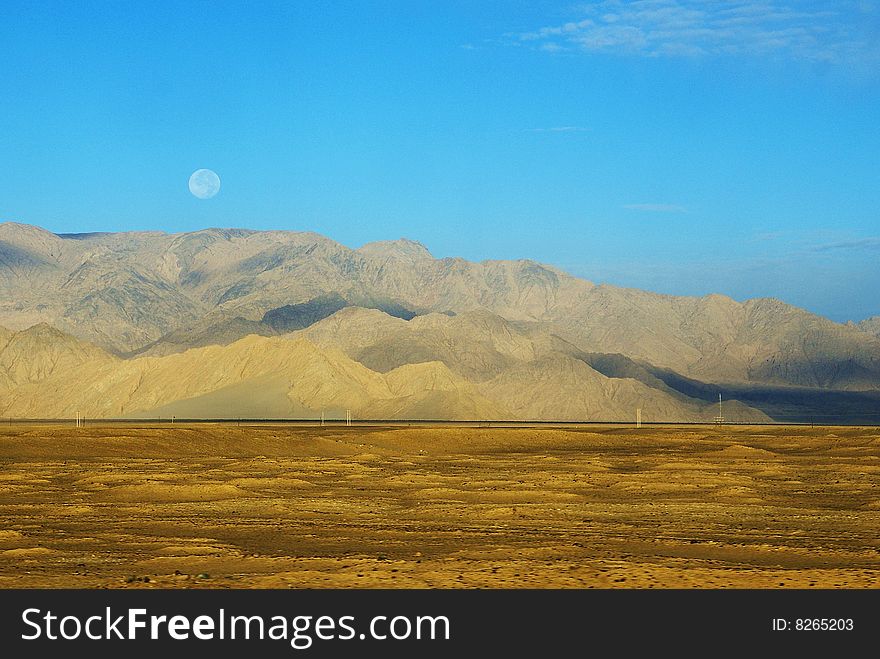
[719,420]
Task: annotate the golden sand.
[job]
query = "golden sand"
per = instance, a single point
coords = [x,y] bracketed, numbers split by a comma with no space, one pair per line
[280,506]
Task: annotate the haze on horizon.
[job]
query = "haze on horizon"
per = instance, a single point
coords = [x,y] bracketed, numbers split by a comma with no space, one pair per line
[679,146]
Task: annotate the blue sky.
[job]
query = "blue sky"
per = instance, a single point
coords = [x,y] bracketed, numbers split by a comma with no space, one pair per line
[685,147]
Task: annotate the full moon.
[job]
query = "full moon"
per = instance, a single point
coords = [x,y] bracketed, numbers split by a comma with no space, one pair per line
[204,183]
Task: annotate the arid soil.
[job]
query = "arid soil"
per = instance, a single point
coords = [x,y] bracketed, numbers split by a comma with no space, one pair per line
[233,506]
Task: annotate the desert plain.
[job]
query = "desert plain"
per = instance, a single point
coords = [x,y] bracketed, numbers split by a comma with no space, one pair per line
[143,505]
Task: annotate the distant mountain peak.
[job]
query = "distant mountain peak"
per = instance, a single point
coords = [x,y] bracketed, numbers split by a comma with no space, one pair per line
[403,248]
[44,329]
[9,225]
[25,233]
[227,233]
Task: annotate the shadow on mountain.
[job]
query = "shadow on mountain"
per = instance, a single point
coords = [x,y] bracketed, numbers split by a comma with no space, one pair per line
[222,332]
[781,403]
[292,317]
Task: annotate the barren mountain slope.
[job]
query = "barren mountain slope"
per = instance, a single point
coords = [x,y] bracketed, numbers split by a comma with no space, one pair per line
[310,377]
[871,326]
[563,388]
[533,373]
[477,344]
[44,373]
[40,352]
[720,340]
[126,291]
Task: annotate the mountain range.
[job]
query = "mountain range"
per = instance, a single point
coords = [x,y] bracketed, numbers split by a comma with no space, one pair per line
[233,322]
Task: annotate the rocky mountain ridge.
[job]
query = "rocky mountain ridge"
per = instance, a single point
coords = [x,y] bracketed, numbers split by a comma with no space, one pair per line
[390,304]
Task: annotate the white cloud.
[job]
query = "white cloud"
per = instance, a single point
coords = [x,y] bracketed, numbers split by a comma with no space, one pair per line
[872,243]
[836,32]
[656,208]
[551,47]
[559,129]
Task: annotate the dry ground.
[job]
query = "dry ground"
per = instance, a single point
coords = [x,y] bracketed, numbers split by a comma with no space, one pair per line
[277,506]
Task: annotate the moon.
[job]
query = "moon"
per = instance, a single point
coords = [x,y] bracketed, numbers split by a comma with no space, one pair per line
[204,183]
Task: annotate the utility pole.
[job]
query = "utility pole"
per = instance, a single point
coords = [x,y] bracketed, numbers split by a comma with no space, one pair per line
[719,420]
